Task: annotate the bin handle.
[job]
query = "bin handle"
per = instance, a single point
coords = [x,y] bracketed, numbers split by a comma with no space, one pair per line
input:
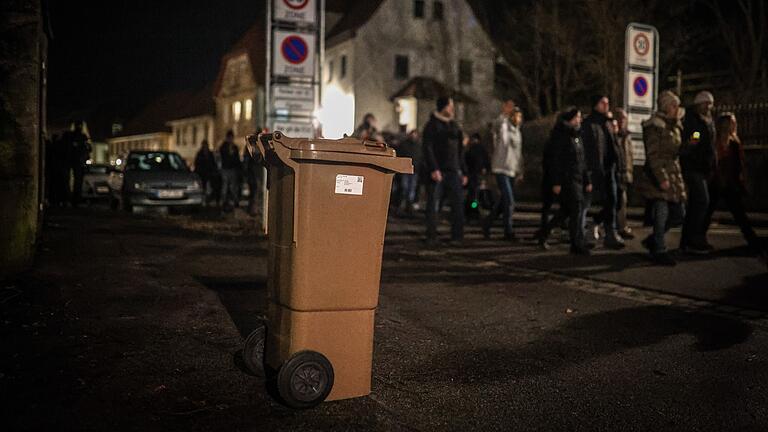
[375,144]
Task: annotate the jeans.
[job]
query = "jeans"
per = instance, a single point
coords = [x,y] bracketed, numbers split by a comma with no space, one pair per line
[507,204]
[229,187]
[695,224]
[621,207]
[662,217]
[548,220]
[408,186]
[607,215]
[451,185]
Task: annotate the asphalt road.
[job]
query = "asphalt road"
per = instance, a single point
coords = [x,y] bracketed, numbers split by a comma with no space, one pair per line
[136,322]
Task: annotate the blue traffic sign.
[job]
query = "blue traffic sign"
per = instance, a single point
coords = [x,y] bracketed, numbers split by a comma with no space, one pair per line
[640,85]
[294,49]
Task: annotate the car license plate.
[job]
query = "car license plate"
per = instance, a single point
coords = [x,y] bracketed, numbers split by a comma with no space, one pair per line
[102,189]
[170,193]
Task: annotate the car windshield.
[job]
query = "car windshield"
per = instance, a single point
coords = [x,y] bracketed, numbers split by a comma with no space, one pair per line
[158,161]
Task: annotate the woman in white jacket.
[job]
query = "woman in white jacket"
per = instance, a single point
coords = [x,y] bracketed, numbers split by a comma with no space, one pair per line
[507,165]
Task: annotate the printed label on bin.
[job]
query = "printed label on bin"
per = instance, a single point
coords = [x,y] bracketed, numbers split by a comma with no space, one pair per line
[349,184]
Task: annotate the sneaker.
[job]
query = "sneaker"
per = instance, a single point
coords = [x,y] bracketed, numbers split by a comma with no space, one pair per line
[664,259]
[543,245]
[614,242]
[626,233]
[596,232]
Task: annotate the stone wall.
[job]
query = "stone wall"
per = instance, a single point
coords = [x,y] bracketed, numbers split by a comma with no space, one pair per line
[22,48]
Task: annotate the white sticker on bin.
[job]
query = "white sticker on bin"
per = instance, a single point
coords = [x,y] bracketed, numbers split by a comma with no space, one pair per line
[349,184]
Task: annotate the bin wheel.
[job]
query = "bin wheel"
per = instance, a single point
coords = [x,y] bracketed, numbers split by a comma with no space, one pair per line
[305,380]
[253,351]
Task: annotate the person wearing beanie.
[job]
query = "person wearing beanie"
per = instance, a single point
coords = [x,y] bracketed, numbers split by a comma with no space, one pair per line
[661,181]
[603,156]
[444,163]
[698,158]
[626,171]
[570,177]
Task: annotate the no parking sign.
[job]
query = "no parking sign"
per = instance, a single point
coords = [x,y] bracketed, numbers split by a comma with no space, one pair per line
[294,54]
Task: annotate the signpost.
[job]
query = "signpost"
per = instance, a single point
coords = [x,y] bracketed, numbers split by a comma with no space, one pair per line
[641,72]
[294,57]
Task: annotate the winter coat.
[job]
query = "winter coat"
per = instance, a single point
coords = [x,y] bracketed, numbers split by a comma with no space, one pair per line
[411,148]
[626,168]
[697,154]
[662,137]
[507,157]
[441,144]
[230,156]
[477,159]
[205,163]
[568,158]
[731,174]
[599,144]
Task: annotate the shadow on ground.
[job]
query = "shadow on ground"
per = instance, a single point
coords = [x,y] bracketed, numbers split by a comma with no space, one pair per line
[583,339]
[244,298]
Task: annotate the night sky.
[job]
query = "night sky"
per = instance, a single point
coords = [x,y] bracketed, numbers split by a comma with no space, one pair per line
[118,54]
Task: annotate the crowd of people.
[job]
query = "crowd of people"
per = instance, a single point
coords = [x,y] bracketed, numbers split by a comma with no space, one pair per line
[223,172]
[692,162]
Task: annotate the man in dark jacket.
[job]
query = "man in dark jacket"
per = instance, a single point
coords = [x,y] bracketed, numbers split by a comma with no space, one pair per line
[205,167]
[409,147]
[698,160]
[230,171]
[603,155]
[443,161]
[78,152]
[570,175]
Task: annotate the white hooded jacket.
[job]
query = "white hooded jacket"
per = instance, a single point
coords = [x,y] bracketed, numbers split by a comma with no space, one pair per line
[507,155]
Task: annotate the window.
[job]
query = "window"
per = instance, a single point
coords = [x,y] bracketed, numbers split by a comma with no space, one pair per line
[330,71]
[343,66]
[418,9]
[236,109]
[194,135]
[401,67]
[437,11]
[178,136]
[465,72]
[248,109]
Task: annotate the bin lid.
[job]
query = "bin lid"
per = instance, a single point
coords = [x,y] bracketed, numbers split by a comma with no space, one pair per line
[349,150]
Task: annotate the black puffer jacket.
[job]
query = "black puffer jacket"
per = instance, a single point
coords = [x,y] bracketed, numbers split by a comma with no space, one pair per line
[442,147]
[697,154]
[600,144]
[568,162]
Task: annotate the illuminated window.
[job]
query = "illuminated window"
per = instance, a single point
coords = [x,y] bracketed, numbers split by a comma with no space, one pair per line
[248,109]
[236,109]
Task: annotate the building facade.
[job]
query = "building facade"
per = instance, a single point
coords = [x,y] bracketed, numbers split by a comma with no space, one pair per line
[187,135]
[395,62]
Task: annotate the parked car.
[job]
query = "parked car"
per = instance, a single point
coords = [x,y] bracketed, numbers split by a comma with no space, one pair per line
[155,178]
[96,182]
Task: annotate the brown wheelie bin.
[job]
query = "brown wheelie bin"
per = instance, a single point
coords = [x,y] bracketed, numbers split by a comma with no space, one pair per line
[328,202]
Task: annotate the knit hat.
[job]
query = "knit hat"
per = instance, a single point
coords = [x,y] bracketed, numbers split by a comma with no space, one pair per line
[569,114]
[703,97]
[596,99]
[667,98]
[442,102]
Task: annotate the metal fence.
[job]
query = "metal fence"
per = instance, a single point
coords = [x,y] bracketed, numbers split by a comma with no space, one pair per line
[753,123]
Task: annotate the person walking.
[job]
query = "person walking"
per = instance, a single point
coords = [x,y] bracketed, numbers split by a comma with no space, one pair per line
[548,197]
[230,167]
[570,175]
[602,158]
[698,160]
[252,168]
[661,181]
[205,168]
[442,148]
[367,129]
[730,180]
[410,147]
[625,177]
[478,164]
[506,165]
[78,151]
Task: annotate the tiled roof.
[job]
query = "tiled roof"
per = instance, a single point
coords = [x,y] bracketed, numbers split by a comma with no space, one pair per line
[172,106]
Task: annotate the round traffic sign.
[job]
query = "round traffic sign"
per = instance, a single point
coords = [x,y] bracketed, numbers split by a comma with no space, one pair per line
[641,44]
[640,85]
[294,49]
[296,4]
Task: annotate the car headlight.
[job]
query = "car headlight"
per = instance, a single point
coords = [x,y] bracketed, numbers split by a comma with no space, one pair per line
[194,187]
